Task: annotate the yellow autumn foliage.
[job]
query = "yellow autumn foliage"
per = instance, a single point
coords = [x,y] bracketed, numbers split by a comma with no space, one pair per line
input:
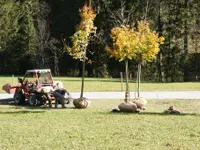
[123,39]
[148,43]
[129,43]
[81,37]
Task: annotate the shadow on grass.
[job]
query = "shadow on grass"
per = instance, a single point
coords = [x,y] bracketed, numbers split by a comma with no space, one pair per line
[166,114]
[6,101]
[10,102]
[154,113]
[20,112]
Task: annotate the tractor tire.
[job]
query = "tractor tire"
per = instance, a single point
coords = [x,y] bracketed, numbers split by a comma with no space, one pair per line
[35,100]
[32,100]
[19,98]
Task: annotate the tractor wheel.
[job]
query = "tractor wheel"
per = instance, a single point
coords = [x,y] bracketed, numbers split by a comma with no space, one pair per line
[32,100]
[19,98]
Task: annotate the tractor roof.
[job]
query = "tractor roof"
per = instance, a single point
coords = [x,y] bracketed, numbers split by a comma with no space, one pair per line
[39,70]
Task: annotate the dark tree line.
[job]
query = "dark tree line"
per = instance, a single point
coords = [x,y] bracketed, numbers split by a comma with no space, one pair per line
[32,33]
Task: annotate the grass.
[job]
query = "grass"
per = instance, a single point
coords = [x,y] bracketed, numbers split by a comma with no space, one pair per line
[22,127]
[100,84]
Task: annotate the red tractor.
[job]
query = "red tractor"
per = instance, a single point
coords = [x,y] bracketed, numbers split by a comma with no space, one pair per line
[36,88]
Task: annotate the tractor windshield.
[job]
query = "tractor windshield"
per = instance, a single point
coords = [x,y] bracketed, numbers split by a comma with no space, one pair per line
[45,78]
[30,77]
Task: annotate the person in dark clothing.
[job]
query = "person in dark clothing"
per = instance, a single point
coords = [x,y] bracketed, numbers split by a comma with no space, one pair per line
[59,93]
[59,97]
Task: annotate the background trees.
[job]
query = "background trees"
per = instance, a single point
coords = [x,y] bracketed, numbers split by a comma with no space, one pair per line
[31,37]
[18,34]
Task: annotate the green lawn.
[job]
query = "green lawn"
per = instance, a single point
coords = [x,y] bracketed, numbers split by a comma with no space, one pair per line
[100,84]
[23,128]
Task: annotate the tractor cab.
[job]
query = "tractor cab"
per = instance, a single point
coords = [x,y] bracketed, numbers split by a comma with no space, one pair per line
[39,77]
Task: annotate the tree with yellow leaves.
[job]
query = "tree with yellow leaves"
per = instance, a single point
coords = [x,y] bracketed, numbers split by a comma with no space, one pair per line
[82,36]
[122,48]
[148,46]
[140,44]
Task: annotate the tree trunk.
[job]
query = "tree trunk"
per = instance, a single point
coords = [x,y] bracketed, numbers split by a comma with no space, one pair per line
[146,10]
[186,46]
[138,76]
[43,62]
[185,55]
[127,95]
[160,59]
[83,74]
[196,60]
[160,68]
[56,68]
[167,71]
[90,2]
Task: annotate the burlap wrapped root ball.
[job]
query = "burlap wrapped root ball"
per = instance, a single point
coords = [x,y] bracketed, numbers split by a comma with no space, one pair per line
[6,88]
[140,102]
[128,107]
[172,110]
[81,102]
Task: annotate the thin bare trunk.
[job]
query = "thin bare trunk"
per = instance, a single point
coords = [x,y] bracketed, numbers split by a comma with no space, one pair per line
[196,66]
[160,59]
[83,75]
[127,95]
[138,75]
[146,10]
[56,68]
[186,46]
[160,68]
[167,75]
[121,76]
[90,2]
